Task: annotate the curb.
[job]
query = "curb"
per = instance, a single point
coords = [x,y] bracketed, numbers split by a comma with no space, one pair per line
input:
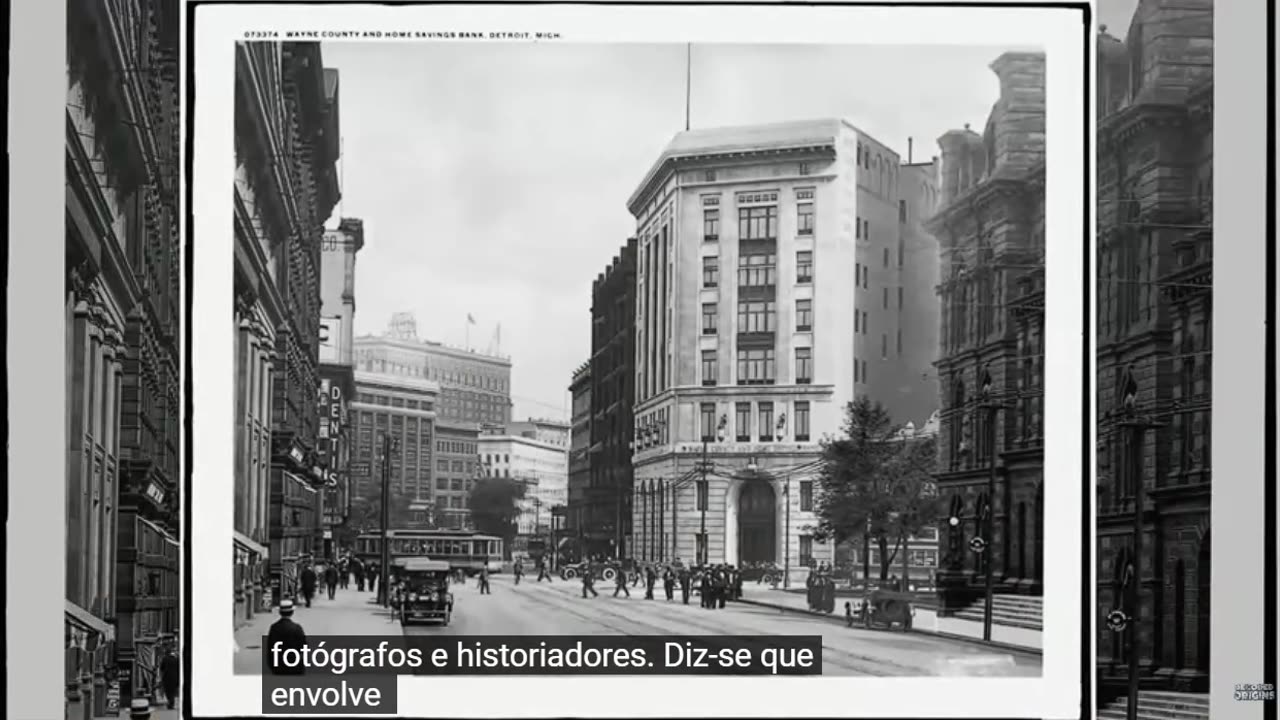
[1021,649]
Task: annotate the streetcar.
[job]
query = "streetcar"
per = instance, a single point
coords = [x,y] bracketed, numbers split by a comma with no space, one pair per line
[464,550]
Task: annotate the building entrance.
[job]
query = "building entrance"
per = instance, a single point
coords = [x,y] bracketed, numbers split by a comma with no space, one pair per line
[757,523]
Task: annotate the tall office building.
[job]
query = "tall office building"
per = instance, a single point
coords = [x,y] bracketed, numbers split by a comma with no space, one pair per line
[767,299]
[579,454]
[474,387]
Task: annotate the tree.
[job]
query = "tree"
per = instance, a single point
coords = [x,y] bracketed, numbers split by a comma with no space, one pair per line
[366,510]
[495,506]
[876,484]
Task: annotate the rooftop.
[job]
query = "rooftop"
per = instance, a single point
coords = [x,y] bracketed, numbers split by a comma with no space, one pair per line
[364,377]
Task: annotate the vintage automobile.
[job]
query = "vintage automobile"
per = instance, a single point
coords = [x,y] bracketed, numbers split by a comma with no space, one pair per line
[605,570]
[885,608]
[424,591]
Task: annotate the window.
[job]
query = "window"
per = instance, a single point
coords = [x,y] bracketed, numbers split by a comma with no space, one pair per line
[865,274]
[759,316]
[804,218]
[742,421]
[766,421]
[804,168]
[442,465]
[709,367]
[709,176]
[756,366]
[884,346]
[859,154]
[902,211]
[442,484]
[886,257]
[857,372]
[857,321]
[702,495]
[804,366]
[708,413]
[806,551]
[802,422]
[711,224]
[758,270]
[866,230]
[864,371]
[857,274]
[899,341]
[901,250]
[758,223]
[865,323]
[804,315]
[806,496]
[857,228]
[899,297]
[709,315]
[804,266]
[710,272]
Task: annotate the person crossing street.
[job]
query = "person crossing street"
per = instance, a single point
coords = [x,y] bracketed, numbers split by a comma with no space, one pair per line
[686,585]
[542,570]
[589,584]
[669,583]
[620,580]
[517,570]
[484,581]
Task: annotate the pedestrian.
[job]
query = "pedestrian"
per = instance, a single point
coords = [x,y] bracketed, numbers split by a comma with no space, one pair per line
[484,581]
[704,588]
[286,635]
[517,570]
[542,571]
[650,579]
[359,573]
[169,675]
[331,579]
[308,583]
[635,578]
[686,585]
[621,584]
[669,583]
[737,584]
[588,584]
[722,588]
[848,614]
[810,585]
[344,572]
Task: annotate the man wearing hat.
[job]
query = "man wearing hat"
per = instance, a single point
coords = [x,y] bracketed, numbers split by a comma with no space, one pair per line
[289,635]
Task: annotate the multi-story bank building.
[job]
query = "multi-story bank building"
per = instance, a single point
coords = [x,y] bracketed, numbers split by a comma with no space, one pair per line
[778,278]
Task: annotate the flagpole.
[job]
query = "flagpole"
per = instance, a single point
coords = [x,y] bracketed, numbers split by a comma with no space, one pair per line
[466,341]
[688,82]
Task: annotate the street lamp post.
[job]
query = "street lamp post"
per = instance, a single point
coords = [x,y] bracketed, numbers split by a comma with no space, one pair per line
[704,491]
[786,491]
[388,445]
[988,608]
[1137,427]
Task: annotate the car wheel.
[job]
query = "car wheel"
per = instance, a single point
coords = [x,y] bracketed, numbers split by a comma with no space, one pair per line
[569,574]
[609,574]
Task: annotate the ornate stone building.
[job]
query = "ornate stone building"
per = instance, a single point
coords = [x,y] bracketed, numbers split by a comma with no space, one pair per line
[123,306]
[991,230]
[286,186]
[1155,332]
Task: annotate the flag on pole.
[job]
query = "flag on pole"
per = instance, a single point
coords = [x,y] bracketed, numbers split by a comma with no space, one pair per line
[470,320]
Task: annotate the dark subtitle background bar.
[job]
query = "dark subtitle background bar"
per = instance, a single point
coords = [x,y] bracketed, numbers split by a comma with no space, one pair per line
[341,656]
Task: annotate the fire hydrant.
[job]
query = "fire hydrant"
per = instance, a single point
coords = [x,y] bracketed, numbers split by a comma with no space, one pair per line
[140,709]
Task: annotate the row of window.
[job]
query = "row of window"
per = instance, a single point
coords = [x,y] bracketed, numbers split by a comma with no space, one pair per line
[757,316]
[391,401]
[766,429]
[757,269]
[455,447]
[757,366]
[757,223]
[455,484]
[457,466]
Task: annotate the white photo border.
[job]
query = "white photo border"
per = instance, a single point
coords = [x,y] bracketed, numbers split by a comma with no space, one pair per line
[1066,36]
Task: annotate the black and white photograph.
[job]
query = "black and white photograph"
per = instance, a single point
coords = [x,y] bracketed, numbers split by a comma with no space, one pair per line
[1155,357]
[724,338]
[123,315]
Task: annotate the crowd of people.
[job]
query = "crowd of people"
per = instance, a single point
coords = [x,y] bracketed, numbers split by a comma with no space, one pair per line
[714,584]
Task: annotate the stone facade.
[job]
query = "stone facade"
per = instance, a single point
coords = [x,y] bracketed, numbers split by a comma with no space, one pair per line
[579,455]
[1155,331]
[991,230]
[123,309]
[286,186]
[772,267]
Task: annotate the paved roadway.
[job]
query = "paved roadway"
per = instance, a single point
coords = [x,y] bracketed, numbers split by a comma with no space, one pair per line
[557,608]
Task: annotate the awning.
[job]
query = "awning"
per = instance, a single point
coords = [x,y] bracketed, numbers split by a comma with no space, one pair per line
[244,543]
[88,622]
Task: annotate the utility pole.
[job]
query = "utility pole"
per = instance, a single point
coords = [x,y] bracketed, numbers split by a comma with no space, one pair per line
[988,607]
[388,444]
[1135,469]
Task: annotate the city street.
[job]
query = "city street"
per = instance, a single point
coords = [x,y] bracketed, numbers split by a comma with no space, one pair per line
[558,608]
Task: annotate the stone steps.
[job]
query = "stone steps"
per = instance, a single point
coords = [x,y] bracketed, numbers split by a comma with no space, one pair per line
[1022,611]
[1159,705]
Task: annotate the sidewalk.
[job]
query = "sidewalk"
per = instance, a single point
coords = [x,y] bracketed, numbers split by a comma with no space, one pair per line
[350,612]
[158,712]
[926,620]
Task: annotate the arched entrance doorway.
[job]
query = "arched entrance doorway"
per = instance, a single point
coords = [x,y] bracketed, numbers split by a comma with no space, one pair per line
[757,523]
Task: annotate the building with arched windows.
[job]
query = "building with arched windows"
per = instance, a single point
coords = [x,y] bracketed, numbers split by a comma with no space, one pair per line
[990,229]
[1155,332]
[779,276]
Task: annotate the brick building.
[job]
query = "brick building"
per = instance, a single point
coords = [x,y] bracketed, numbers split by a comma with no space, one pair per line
[613,363]
[122,343]
[579,454]
[1155,331]
[991,230]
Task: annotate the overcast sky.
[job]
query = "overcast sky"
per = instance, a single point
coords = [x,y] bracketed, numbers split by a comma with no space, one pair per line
[493,177]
